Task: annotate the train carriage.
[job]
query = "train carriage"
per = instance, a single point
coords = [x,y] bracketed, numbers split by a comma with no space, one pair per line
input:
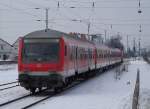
[53,59]
[47,59]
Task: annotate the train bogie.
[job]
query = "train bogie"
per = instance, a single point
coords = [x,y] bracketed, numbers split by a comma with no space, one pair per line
[51,80]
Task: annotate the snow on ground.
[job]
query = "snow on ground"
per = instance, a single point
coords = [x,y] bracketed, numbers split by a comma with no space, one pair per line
[8,73]
[10,94]
[144,85]
[101,92]
[104,92]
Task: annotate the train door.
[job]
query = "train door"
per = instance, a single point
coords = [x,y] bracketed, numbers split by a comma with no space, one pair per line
[66,59]
[95,57]
[89,58]
[76,59]
[109,56]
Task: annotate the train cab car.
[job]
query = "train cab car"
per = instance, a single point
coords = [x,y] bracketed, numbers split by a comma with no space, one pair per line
[41,60]
[49,59]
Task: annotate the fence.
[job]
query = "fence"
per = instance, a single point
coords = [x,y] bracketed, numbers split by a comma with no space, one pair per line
[135,101]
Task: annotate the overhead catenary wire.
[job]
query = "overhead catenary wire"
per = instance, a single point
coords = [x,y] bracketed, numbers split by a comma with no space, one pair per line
[72,7]
[19,10]
[96,7]
[96,1]
[34,3]
[93,5]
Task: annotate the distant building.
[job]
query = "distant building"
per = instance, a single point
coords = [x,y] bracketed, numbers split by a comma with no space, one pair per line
[5,50]
[15,49]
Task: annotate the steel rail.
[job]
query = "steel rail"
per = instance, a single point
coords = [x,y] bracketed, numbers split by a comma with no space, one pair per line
[19,98]
[9,87]
[14,100]
[8,83]
[75,83]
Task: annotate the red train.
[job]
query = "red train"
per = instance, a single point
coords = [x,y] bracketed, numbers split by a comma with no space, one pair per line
[53,59]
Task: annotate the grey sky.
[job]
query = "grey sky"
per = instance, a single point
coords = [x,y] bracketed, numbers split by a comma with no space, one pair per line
[18,17]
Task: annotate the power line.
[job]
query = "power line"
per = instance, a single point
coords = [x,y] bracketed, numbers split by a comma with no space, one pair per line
[73,7]
[88,7]
[16,20]
[114,1]
[123,24]
[148,19]
[34,4]
[19,10]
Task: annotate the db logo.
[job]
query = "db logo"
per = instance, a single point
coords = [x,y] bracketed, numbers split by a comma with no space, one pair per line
[38,65]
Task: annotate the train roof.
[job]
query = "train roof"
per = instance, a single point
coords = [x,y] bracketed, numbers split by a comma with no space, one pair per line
[46,34]
[53,34]
[57,34]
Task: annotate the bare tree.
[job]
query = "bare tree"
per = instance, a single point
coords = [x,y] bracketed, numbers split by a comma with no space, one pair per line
[115,42]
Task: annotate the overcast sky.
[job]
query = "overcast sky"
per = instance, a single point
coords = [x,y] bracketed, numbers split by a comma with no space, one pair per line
[18,17]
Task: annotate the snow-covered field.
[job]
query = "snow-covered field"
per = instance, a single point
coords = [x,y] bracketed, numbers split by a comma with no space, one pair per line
[101,92]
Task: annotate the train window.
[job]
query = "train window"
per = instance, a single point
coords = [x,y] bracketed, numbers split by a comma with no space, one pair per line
[65,50]
[71,53]
[76,53]
[41,50]
[70,56]
[91,55]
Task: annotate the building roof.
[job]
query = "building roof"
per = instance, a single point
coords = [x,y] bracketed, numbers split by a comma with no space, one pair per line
[5,42]
[16,41]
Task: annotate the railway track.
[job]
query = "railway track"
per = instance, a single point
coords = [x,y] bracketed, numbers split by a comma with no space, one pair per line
[20,98]
[39,101]
[14,100]
[75,83]
[29,96]
[9,85]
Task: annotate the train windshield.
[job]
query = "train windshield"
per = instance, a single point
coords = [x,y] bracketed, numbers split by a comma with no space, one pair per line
[41,50]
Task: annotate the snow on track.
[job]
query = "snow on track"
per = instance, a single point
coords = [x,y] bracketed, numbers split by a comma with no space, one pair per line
[102,92]
[19,104]
[13,93]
